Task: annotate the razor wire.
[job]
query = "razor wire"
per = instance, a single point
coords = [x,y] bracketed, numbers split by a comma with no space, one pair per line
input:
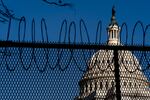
[69,29]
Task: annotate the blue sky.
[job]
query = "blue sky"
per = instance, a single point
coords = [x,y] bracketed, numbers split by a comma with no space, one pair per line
[129,11]
[27,83]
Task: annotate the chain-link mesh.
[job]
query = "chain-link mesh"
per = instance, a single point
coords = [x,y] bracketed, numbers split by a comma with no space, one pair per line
[67,74]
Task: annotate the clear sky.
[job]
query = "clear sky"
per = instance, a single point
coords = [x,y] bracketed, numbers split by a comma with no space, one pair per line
[33,85]
[129,11]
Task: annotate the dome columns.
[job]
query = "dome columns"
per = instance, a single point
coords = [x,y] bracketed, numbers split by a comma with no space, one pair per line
[113,30]
[113,35]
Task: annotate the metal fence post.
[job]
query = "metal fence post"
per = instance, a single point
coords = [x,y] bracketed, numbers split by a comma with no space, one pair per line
[117,75]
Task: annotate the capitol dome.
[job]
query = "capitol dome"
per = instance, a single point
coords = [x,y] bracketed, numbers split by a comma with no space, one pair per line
[98,82]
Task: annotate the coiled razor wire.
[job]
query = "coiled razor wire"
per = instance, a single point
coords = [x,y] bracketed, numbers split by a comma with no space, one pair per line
[62,58]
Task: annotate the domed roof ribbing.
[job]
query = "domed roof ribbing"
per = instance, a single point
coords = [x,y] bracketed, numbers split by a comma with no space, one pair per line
[100,78]
[102,64]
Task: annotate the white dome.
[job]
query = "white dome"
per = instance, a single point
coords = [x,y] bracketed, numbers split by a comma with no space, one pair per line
[100,75]
[102,61]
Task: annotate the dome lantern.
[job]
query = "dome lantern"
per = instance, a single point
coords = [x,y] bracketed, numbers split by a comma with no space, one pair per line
[113,30]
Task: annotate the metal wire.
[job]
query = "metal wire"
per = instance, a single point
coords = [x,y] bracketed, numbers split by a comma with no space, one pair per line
[71,53]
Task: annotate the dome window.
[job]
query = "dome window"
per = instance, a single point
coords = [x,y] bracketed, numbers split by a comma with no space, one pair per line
[125,83]
[108,61]
[106,85]
[126,62]
[115,34]
[91,87]
[95,86]
[112,34]
[86,87]
[130,84]
[139,85]
[135,84]
[112,84]
[103,61]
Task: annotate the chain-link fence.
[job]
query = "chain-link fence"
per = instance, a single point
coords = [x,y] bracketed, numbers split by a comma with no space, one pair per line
[66,72]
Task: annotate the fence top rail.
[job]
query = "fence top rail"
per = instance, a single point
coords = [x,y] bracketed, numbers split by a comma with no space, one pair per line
[58,45]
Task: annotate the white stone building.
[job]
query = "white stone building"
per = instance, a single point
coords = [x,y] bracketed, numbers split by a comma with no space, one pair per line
[98,83]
